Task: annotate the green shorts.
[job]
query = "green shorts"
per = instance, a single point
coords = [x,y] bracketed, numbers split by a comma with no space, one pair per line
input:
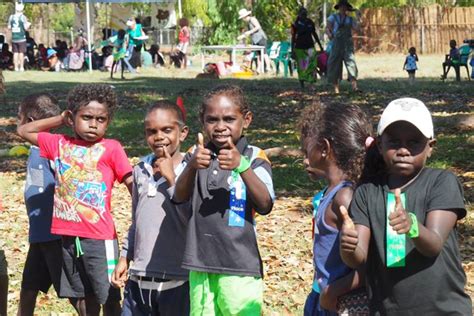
[220,294]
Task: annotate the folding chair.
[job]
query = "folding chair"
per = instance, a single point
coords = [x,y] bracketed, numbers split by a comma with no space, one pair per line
[284,57]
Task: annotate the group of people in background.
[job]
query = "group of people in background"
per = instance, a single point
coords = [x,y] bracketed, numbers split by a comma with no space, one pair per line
[328,62]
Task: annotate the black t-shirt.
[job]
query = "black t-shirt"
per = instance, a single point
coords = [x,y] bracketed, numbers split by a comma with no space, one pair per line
[212,245]
[303,32]
[425,286]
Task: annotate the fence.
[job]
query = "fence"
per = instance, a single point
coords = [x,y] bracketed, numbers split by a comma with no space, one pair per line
[429,29]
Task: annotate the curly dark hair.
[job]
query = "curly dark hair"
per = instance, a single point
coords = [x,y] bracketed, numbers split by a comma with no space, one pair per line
[39,106]
[233,92]
[183,22]
[83,94]
[345,126]
[169,106]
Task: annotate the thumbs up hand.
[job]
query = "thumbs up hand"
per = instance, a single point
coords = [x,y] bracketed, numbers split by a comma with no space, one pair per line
[349,235]
[202,156]
[164,165]
[229,156]
[399,218]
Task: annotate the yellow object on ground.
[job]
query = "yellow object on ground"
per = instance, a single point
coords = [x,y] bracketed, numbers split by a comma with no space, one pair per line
[243,74]
[18,151]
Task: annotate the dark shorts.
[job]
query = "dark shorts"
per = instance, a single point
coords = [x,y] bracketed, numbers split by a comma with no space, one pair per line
[262,42]
[312,307]
[411,71]
[19,47]
[3,263]
[43,267]
[170,302]
[89,274]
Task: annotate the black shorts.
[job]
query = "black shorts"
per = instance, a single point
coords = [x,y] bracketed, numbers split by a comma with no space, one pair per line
[90,273]
[411,71]
[19,47]
[262,42]
[145,302]
[43,267]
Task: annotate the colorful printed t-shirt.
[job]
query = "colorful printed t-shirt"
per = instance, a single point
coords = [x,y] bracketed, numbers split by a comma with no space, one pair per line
[85,175]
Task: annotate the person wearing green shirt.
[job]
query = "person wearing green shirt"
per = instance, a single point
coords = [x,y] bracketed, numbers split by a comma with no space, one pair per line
[18,24]
[135,44]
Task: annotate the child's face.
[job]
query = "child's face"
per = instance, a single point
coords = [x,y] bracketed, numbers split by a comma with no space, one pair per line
[405,150]
[162,130]
[223,120]
[452,44]
[313,161]
[90,122]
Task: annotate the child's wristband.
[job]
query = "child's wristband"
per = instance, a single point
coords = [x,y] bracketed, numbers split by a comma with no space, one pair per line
[243,166]
[414,231]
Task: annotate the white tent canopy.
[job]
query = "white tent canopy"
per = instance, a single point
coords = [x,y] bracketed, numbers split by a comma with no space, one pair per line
[88,2]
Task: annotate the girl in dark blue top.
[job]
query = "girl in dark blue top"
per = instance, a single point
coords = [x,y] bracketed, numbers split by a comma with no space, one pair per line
[334,139]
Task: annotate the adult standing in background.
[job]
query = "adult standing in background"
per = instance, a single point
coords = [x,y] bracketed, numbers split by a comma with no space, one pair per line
[18,24]
[303,38]
[135,44]
[256,34]
[339,30]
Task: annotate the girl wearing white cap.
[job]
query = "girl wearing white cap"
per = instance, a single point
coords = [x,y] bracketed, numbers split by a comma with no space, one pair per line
[256,34]
[405,220]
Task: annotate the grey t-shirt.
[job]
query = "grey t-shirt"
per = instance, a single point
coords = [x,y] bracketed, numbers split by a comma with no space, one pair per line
[213,244]
[157,236]
[425,286]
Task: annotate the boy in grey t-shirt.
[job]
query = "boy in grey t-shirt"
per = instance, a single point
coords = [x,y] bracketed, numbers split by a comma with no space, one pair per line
[157,284]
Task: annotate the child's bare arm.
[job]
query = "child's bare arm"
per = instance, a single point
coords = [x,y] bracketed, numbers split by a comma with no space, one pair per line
[229,159]
[347,283]
[432,235]
[257,191]
[354,242]
[201,159]
[128,181]
[30,131]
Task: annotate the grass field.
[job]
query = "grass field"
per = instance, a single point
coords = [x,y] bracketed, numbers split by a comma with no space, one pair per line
[285,234]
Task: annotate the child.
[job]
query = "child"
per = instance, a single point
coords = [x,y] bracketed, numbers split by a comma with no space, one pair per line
[120,49]
[157,284]
[410,64]
[333,139]
[42,267]
[450,60]
[406,215]
[227,180]
[184,36]
[86,167]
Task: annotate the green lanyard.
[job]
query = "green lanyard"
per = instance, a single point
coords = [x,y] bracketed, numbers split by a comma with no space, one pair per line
[79,251]
[396,243]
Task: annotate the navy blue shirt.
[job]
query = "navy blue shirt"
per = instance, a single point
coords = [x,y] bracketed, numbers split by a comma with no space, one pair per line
[39,197]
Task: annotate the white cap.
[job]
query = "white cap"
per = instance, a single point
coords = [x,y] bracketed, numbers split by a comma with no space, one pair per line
[409,110]
[243,13]
[19,7]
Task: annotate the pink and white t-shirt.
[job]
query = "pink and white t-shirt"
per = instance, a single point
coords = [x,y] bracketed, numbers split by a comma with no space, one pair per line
[85,174]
